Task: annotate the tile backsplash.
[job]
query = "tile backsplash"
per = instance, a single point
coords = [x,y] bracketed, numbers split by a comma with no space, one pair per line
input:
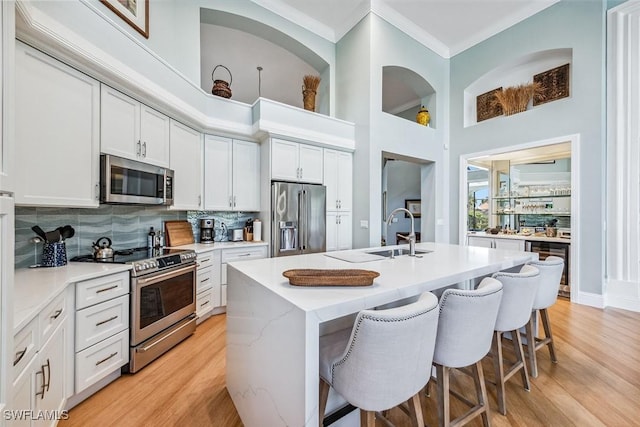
[126,226]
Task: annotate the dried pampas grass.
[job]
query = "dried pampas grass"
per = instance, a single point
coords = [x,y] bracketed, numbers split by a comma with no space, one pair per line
[515,99]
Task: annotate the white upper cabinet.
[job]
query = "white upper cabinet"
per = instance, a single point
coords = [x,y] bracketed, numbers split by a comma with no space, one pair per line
[57,130]
[186,162]
[338,178]
[231,175]
[7,84]
[291,161]
[132,130]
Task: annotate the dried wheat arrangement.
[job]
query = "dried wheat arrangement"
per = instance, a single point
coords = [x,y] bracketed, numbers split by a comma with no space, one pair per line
[310,82]
[514,99]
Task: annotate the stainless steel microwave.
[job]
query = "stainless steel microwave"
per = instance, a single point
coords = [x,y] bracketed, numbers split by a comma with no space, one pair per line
[130,182]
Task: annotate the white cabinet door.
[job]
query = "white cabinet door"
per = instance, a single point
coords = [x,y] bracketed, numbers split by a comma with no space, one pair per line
[344,237]
[483,242]
[154,135]
[186,162]
[509,244]
[51,376]
[7,85]
[246,176]
[339,231]
[57,131]
[345,181]
[120,124]
[23,394]
[310,162]
[284,160]
[331,180]
[338,177]
[332,231]
[218,163]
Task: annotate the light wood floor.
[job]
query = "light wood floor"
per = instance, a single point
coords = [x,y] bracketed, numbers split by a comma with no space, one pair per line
[595,383]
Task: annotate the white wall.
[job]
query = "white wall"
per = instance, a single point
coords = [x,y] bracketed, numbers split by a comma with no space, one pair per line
[403,183]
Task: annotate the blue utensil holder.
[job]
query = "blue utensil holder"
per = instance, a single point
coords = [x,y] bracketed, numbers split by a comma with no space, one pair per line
[54,254]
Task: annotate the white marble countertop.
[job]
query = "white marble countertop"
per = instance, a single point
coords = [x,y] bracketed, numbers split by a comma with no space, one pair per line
[399,278]
[34,288]
[530,237]
[207,247]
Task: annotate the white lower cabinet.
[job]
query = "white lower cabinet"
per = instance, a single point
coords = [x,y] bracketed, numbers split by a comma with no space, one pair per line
[496,243]
[102,328]
[40,368]
[339,231]
[237,254]
[207,283]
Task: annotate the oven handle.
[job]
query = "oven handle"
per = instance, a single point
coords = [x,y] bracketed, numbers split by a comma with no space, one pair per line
[164,337]
[167,275]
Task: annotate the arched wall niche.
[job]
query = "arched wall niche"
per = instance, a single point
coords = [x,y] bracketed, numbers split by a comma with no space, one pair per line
[242,44]
[404,91]
[513,73]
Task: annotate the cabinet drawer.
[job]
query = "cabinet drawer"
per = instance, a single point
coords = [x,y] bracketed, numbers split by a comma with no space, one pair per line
[25,345]
[241,254]
[52,316]
[204,279]
[101,289]
[100,321]
[207,259]
[98,361]
[204,302]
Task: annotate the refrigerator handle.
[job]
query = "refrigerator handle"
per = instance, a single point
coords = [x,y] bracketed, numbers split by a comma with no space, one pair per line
[301,224]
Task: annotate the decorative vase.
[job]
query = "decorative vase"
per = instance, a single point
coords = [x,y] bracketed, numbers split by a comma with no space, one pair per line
[309,99]
[423,116]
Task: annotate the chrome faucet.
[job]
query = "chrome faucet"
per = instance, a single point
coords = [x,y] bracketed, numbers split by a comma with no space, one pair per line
[412,235]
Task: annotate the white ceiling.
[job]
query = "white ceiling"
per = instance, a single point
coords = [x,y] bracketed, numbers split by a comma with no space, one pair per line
[447,27]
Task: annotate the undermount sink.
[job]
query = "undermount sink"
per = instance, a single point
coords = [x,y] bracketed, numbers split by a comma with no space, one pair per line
[396,252]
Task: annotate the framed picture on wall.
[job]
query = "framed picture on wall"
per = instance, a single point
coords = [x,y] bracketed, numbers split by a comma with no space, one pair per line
[133,12]
[413,206]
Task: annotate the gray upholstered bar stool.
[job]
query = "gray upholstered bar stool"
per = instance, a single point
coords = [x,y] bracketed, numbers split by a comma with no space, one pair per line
[465,329]
[519,290]
[550,274]
[383,361]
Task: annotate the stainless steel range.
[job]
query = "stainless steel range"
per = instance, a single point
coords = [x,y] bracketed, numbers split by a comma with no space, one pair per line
[163,300]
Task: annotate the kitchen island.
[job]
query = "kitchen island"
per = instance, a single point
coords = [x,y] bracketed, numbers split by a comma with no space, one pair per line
[273,328]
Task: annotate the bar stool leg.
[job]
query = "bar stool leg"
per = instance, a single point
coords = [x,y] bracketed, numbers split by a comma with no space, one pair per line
[367,418]
[520,363]
[415,411]
[481,392]
[498,365]
[444,415]
[531,345]
[544,315]
[324,395]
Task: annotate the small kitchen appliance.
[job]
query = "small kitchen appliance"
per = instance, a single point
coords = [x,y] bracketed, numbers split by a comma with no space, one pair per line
[235,234]
[207,226]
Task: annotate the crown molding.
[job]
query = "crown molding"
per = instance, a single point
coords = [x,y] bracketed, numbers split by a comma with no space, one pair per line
[294,15]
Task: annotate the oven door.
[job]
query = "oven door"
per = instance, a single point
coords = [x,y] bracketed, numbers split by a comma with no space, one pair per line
[160,300]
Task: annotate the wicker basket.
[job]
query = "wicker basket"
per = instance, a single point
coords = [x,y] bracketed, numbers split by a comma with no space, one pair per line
[221,87]
[309,99]
[314,277]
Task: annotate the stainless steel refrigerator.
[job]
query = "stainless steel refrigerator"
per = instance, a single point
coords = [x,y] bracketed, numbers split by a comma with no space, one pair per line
[298,218]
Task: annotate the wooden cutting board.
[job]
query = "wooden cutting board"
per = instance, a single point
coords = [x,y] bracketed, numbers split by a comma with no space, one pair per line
[178,233]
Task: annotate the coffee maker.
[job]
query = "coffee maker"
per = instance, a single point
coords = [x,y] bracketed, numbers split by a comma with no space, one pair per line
[206,230]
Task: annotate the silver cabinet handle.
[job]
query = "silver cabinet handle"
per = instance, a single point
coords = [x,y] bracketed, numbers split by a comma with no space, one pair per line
[205,279]
[204,303]
[199,200]
[234,201]
[102,322]
[144,146]
[106,289]
[100,362]
[230,201]
[48,383]
[139,148]
[97,191]
[19,355]
[41,392]
[56,314]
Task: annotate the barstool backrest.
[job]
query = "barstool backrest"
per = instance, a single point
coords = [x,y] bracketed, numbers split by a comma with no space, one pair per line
[551,269]
[519,290]
[388,357]
[466,324]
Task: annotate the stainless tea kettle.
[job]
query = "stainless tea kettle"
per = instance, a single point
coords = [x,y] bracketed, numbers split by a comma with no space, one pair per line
[102,248]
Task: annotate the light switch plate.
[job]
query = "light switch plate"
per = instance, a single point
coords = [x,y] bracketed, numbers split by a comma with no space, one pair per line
[364,223]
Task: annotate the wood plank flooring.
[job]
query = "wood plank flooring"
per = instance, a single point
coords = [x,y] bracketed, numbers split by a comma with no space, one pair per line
[595,383]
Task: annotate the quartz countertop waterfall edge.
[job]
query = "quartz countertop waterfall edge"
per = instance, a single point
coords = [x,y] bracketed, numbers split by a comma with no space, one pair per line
[273,328]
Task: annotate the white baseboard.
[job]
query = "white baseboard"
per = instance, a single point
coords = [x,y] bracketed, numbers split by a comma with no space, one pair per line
[623,294]
[590,299]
